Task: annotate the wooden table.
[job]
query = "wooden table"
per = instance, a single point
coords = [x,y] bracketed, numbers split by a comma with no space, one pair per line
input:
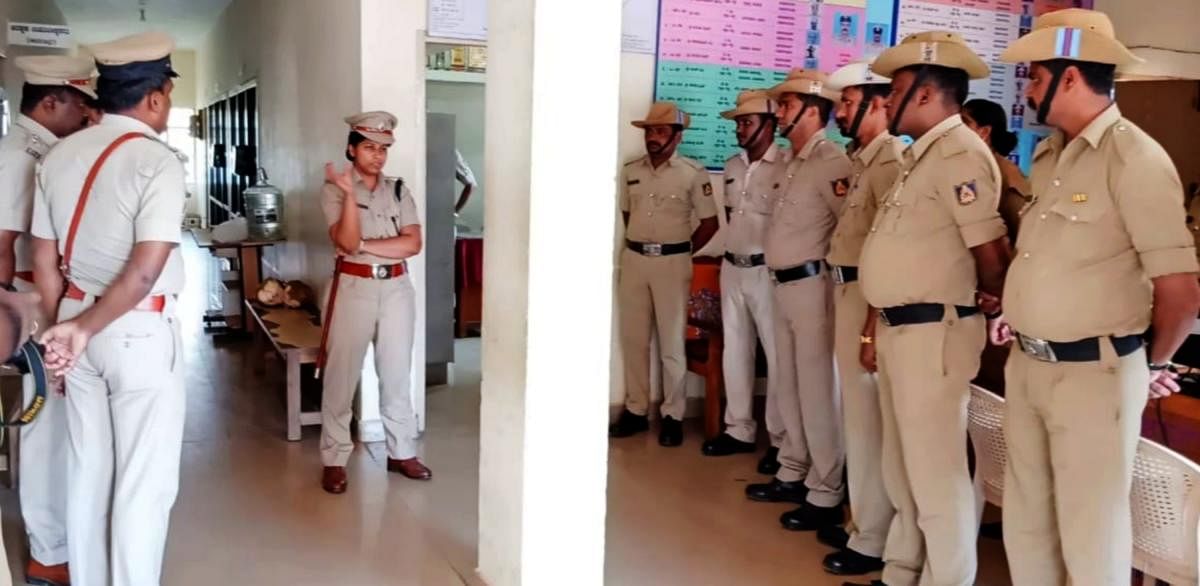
[296,335]
[249,259]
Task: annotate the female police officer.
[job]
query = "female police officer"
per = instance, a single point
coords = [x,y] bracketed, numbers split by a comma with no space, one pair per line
[374,227]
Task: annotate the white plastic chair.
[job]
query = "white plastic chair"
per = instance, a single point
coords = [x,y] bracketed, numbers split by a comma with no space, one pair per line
[985,424]
[1166,515]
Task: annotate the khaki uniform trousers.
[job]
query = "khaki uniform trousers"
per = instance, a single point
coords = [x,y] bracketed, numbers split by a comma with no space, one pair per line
[748,315]
[871,511]
[125,406]
[365,311]
[925,371]
[653,296]
[43,473]
[808,399]
[1072,432]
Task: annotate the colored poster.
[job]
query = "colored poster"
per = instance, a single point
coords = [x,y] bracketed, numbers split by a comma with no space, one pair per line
[709,50]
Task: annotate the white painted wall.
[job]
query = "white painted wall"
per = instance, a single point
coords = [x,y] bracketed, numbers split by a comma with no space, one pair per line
[1165,35]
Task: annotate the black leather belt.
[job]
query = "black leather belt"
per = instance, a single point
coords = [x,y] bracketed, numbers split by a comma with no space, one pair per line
[843,275]
[811,268]
[920,313]
[745,261]
[1086,350]
[654,249]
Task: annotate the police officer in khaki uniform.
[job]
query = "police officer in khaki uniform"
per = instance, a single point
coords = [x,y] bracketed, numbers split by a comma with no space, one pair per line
[814,186]
[875,162]
[935,241]
[747,306]
[374,227]
[110,200]
[662,193]
[1103,254]
[52,107]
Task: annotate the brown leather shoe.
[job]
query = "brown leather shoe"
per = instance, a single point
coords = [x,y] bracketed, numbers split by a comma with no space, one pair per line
[40,575]
[410,468]
[333,480]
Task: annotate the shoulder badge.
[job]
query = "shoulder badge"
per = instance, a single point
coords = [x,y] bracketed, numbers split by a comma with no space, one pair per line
[841,187]
[35,148]
[965,192]
[708,189]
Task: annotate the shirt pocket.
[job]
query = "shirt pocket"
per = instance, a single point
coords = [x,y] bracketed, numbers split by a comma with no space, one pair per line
[1088,228]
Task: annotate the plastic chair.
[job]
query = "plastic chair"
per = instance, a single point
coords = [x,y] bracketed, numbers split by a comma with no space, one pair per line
[1166,515]
[985,425]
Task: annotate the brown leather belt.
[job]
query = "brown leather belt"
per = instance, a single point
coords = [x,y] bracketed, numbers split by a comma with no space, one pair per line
[372,271]
[154,303]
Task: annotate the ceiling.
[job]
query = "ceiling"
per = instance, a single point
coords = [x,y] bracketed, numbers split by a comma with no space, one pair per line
[94,21]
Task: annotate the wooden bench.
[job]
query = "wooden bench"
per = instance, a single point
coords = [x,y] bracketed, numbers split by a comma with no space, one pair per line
[295,334]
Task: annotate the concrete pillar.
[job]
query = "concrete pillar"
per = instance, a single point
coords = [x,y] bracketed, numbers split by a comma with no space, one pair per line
[552,96]
[392,42]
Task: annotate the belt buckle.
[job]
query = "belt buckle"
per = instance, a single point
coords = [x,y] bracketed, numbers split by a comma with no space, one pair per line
[838,277]
[743,261]
[1039,349]
[380,271]
[652,249]
[884,318]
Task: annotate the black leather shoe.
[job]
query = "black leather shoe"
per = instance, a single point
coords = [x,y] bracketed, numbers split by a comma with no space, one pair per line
[628,424]
[726,445]
[810,517]
[769,464]
[834,536]
[851,563]
[777,491]
[670,432]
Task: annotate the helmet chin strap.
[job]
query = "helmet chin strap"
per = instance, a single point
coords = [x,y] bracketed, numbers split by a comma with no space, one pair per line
[908,96]
[757,133]
[1043,111]
[786,130]
[863,106]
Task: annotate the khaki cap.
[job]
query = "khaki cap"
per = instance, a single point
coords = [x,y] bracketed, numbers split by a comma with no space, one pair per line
[1074,33]
[855,74]
[664,114]
[376,126]
[752,102]
[805,81]
[942,48]
[76,72]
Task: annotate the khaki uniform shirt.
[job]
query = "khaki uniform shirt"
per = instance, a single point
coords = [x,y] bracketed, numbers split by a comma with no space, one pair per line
[380,215]
[749,197]
[815,185]
[25,145]
[1015,194]
[875,168]
[1108,218]
[138,196]
[1193,221]
[662,201]
[942,205]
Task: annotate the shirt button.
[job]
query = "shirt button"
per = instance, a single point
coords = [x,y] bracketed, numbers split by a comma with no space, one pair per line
[790,175]
[1057,182]
[906,173]
[1026,255]
[872,229]
[651,195]
[1042,217]
[853,205]
[1073,218]
[740,212]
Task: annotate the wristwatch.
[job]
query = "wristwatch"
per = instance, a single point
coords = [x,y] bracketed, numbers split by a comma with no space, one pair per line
[1160,367]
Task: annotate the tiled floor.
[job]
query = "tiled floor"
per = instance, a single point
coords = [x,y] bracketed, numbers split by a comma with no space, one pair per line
[250,510]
